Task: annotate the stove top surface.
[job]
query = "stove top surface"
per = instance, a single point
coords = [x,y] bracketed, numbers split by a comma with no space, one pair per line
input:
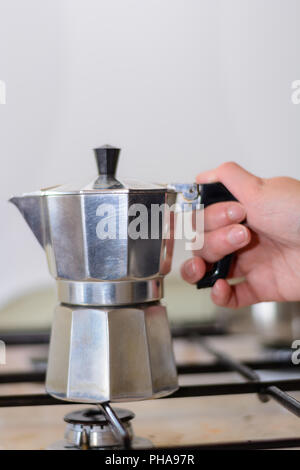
[220,377]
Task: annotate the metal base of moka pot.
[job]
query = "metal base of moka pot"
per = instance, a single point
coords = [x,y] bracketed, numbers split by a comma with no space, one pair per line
[110,353]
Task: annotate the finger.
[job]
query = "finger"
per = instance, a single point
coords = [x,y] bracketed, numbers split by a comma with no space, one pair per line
[242,184]
[193,270]
[223,241]
[222,214]
[236,296]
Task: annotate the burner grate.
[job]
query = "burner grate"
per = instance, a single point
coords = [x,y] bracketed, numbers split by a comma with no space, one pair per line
[265,389]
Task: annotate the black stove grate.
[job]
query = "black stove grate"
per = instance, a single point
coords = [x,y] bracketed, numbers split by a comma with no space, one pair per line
[265,389]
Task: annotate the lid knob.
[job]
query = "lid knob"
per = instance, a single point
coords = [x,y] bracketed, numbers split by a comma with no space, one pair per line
[107,159]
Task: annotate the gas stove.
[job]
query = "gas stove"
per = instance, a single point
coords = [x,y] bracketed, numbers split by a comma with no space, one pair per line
[233,394]
[102,428]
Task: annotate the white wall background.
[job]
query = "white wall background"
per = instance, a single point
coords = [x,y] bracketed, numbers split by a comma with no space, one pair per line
[180,85]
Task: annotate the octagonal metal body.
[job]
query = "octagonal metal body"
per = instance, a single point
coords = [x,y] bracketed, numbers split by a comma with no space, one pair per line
[110,354]
[69,228]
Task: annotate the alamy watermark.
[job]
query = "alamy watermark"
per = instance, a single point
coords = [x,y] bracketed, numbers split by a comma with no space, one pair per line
[154,222]
[2,92]
[296,354]
[295,96]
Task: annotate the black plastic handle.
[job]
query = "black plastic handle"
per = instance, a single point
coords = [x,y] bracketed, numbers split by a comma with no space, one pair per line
[211,194]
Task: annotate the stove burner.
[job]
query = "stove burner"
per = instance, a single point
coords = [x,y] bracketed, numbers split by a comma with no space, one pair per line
[91,429]
[94,416]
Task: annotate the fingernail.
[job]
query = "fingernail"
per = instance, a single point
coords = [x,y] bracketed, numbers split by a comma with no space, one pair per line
[190,268]
[236,212]
[237,235]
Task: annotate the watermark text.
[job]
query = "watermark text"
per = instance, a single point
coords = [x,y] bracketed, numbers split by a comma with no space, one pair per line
[2,92]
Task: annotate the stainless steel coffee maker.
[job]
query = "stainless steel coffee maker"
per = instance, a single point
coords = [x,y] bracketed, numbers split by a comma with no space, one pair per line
[110,337]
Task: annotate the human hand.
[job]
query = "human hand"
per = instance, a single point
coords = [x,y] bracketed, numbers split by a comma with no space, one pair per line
[267,247]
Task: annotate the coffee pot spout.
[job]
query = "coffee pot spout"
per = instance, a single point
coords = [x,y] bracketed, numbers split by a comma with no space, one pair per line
[31,209]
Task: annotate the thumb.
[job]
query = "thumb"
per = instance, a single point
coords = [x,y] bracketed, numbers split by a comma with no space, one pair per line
[242,184]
